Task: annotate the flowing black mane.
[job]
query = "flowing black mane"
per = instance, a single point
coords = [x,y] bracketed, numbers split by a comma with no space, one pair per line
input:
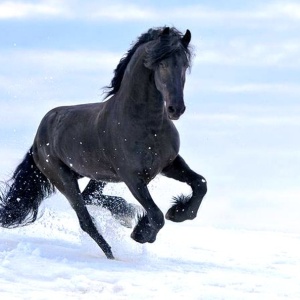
[165,46]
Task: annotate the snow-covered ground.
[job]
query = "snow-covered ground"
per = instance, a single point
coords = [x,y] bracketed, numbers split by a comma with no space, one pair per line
[53,258]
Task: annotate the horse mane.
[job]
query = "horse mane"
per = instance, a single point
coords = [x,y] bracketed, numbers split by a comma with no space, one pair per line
[162,49]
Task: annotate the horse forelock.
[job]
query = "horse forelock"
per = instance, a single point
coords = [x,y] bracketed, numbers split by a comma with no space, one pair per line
[163,47]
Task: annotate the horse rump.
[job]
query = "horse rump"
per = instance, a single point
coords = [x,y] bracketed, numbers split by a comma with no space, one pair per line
[21,196]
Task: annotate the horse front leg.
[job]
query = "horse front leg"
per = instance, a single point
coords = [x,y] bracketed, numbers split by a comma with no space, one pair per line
[150,223]
[185,207]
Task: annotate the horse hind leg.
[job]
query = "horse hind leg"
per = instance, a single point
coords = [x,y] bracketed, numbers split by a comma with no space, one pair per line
[120,209]
[66,182]
[93,192]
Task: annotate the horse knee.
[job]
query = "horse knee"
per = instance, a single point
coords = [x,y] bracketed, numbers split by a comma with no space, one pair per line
[200,185]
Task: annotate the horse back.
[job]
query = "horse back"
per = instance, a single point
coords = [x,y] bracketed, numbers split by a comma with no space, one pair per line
[72,135]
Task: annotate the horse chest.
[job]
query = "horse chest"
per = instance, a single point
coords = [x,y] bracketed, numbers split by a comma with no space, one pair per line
[149,154]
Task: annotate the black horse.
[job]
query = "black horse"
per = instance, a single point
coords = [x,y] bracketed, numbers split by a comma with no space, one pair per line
[128,138]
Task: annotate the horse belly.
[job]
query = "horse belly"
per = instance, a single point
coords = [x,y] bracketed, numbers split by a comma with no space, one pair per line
[99,170]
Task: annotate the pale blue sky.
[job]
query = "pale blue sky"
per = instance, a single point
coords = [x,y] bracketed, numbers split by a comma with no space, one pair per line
[242,122]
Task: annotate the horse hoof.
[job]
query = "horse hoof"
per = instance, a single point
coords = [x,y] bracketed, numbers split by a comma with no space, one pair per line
[174,215]
[143,235]
[109,255]
[178,213]
[152,240]
[143,240]
[138,237]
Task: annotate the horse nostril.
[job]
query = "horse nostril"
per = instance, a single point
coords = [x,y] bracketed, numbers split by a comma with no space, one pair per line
[171,110]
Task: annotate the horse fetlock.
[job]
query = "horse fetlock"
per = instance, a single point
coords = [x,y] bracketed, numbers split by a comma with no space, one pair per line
[157,223]
[108,253]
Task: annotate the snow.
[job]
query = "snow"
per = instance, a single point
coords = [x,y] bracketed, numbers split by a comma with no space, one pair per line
[54,258]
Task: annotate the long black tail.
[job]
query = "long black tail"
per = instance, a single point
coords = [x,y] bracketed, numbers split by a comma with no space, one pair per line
[23,193]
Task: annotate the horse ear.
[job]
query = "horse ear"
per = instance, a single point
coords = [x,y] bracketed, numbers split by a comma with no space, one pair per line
[166,31]
[186,38]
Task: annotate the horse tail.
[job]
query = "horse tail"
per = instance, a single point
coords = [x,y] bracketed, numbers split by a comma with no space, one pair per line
[23,194]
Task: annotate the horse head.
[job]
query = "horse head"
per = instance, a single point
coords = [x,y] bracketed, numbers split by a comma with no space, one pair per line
[169,58]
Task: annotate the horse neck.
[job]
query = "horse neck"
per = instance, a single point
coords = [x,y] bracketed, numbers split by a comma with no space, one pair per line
[138,94]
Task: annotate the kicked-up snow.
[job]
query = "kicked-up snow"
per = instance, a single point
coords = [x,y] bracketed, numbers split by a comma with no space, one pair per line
[53,258]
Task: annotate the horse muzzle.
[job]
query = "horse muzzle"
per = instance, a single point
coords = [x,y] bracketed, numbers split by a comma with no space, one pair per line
[174,112]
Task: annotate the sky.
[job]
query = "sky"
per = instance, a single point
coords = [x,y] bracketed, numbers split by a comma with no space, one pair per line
[241,127]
